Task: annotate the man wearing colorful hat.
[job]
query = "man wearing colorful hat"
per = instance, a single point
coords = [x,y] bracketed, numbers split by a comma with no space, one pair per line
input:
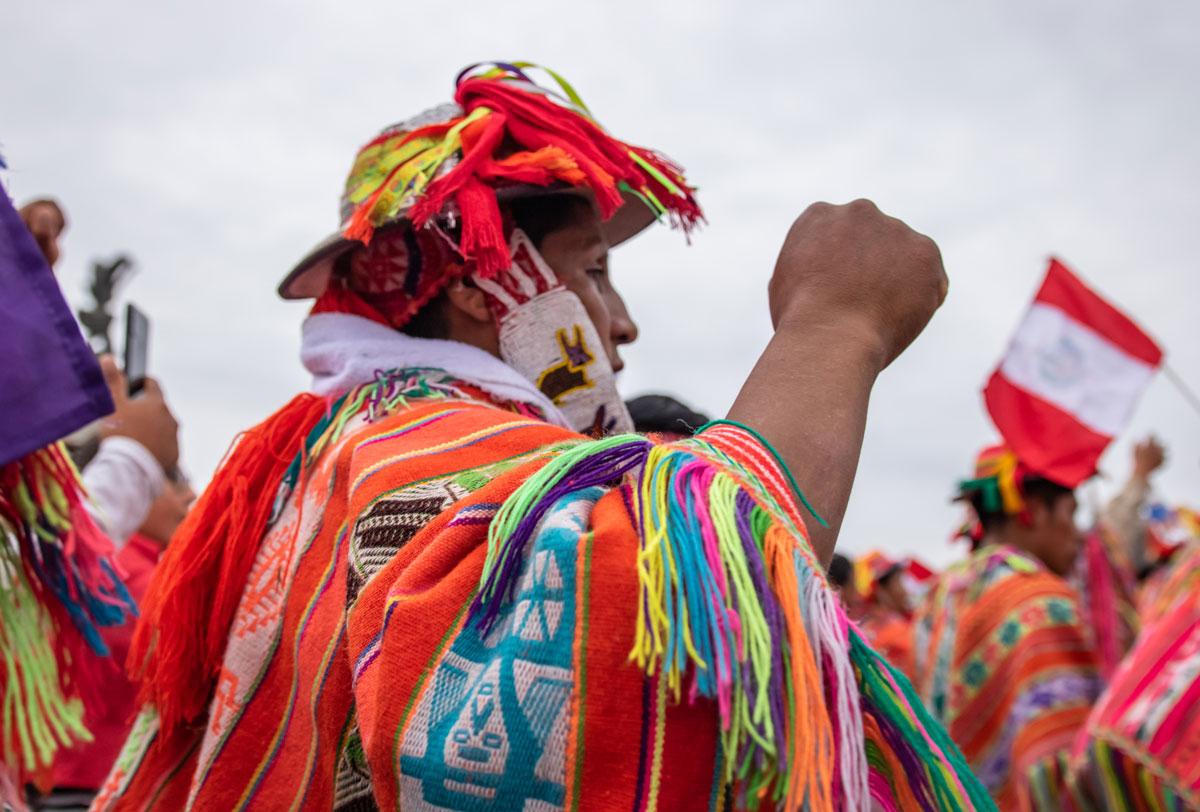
[886,616]
[1002,656]
[422,586]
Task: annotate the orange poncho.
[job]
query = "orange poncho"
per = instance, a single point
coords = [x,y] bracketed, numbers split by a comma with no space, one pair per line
[457,606]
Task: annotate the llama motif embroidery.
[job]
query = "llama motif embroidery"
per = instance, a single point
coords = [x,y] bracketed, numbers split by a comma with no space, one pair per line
[570,374]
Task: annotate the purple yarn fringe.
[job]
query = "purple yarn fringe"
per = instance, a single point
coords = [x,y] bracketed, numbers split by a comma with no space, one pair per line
[600,469]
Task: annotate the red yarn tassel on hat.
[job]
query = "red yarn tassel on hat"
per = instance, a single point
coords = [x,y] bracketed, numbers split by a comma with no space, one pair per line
[190,605]
[482,231]
[479,144]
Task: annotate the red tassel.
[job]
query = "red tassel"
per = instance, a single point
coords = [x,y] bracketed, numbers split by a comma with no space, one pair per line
[535,123]
[440,190]
[483,230]
[337,298]
[189,607]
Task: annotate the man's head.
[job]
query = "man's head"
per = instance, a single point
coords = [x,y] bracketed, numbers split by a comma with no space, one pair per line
[453,180]
[890,592]
[489,221]
[663,414]
[841,577]
[1044,526]
[46,222]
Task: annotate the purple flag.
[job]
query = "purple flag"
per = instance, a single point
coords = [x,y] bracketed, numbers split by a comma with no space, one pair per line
[50,382]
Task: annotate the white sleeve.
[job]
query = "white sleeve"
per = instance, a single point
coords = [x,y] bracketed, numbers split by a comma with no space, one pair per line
[123,480]
[1123,515]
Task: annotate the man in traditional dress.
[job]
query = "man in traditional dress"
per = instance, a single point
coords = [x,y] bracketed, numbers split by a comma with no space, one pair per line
[1141,746]
[1001,654]
[885,615]
[422,587]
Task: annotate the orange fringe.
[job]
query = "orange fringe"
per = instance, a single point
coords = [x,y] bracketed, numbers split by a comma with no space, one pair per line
[811,732]
[190,605]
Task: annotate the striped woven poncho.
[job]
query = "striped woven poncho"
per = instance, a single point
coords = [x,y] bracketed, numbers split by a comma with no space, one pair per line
[458,606]
[1141,746]
[1003,660]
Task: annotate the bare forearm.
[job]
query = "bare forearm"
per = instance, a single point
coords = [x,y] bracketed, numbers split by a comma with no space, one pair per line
[808,396]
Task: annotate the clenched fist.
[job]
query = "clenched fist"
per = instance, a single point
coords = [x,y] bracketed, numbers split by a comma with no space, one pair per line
[851,289]
[865,274]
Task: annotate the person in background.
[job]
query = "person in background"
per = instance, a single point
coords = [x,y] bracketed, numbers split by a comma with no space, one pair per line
[46,221]
[841,576]
[1125,514]
[59,587]
[664,415]
[1115,553]
[137,456]
[1111,570]
[1175,539]
[885,613]
[139,442]
[1000,652]
[122,482]
[1140,744]
[79,772]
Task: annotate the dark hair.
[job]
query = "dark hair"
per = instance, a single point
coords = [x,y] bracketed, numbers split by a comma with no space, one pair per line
[537,216]
[890,573]
[540,215]
[430,320]
[840,570]
[1036,489]
[664,413]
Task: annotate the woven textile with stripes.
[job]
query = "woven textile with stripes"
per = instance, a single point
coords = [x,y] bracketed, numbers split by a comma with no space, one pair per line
[461,607]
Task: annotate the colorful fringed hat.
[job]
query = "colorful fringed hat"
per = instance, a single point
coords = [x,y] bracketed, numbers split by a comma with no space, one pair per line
[998,478]
[870,569]
[504,136]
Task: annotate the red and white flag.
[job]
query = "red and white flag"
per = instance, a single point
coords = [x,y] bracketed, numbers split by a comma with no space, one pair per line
[1070,379]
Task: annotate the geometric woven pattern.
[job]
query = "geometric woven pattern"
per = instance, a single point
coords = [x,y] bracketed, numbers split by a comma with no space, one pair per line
[352,784]
[391,523]
[491,728]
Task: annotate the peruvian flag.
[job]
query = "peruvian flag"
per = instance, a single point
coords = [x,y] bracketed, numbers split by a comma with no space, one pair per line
[1070,379]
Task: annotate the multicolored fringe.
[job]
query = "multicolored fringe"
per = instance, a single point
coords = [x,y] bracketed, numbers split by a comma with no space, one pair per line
[735,608]
[932,771]
[1117,780]
[57,589]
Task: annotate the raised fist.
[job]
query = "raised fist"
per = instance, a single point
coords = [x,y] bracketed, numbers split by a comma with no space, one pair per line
[864,274]
[1148,456]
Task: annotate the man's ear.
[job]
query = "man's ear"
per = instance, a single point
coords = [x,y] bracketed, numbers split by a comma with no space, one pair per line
[469,300]
[1036,512]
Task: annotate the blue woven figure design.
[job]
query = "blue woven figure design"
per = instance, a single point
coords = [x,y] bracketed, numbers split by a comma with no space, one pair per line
[490,730]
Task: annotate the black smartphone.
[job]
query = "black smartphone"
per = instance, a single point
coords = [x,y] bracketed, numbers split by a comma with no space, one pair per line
[137,347]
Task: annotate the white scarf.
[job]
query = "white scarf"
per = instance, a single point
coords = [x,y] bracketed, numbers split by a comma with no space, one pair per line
[343,351]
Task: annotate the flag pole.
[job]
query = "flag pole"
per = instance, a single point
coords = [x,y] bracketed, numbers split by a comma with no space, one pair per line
[1184,389]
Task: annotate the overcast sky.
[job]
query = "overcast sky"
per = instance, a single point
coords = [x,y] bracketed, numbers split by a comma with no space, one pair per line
[210,141]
